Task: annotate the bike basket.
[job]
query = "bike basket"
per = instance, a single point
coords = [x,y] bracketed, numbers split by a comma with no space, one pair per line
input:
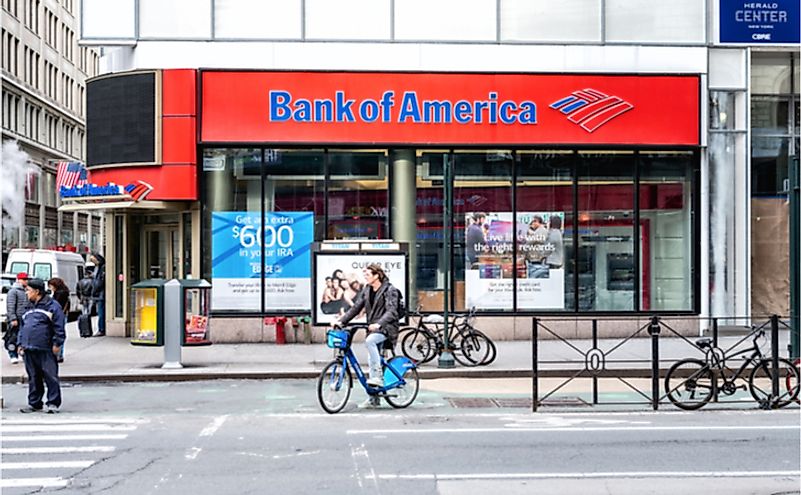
[337,339]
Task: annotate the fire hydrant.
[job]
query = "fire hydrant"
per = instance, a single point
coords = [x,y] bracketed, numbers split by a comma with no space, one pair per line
[280,335]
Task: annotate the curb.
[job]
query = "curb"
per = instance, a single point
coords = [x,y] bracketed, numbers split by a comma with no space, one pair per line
[183,376]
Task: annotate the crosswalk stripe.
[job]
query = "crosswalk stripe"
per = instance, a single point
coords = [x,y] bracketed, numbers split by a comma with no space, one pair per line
[47,465]
[63,421]
[58,438]
[65,428]
[23,482]
[59,450]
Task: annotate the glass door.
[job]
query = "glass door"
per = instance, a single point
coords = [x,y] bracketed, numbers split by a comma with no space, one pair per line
[162,253]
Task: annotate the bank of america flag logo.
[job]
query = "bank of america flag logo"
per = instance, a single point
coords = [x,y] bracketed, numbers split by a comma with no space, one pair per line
[138,190]
[69,174]
[590,108]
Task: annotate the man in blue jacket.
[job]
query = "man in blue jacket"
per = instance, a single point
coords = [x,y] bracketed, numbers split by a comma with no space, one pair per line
[40,341]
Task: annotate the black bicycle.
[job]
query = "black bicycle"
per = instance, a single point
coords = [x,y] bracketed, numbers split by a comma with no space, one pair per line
[692,383]
[469,346]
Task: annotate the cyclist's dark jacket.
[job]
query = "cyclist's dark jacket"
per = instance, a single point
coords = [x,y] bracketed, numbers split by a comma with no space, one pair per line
[383,309]
[43,326]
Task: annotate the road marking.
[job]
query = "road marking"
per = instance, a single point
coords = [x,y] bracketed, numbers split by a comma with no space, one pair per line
[192,453]
[214,426]
[47,465]
[577,429]
[71,421]
[361,456]
[50,438]
[23,482]
[630,474]
[63,427]
[59,450]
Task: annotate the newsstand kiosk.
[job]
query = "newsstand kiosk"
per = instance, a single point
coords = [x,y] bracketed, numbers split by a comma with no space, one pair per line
[172,314]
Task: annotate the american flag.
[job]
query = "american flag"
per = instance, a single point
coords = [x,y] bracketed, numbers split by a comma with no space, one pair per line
[70,174]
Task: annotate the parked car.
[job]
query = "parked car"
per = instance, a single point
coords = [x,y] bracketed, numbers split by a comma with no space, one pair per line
[46,264]
[6,281]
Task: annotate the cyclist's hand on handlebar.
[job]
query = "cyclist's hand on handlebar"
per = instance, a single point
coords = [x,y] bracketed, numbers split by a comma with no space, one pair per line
[373,327]
[336,324]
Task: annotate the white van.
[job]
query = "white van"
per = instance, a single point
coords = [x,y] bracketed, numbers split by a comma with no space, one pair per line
[46,264]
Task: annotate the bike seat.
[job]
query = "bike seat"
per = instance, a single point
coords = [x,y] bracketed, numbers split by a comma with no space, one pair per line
[704,343]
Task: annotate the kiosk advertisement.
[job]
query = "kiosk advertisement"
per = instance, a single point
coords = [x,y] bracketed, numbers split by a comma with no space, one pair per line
[238,238]
[489,260]
[338,278]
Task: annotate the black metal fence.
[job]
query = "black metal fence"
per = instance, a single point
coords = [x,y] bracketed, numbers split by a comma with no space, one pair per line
[687,372]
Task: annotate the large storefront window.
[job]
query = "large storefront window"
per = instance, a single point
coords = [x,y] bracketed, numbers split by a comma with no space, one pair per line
[431,254]
[231,216]
[605,267]
[775,124]
[532,230]
[666,214]
[544,200]
[484,230]
[357,195]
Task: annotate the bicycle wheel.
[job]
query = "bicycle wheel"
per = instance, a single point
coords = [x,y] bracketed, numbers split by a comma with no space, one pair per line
[760,383]
[473,349]
[689,384]
[404,395]
[417,345]
[334,386]
[792,382]
[492,353]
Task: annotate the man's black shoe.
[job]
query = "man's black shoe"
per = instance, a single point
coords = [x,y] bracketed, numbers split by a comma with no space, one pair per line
[29,409]
[99,334]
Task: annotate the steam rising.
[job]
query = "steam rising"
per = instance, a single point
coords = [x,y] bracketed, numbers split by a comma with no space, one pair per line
[15,167]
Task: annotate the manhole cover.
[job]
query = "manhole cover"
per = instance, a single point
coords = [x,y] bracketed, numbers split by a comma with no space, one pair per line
[513,402]
[564,402]
[458,402]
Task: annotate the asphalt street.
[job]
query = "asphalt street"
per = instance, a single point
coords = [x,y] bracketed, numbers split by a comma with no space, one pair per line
[249,436]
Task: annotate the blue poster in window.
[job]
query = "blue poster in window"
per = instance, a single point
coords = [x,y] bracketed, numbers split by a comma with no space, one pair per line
[238,241]
[763,22]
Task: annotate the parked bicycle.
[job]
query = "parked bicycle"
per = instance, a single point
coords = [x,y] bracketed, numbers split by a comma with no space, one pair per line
[791,381]
[469,346]
[692,383]
[401,381]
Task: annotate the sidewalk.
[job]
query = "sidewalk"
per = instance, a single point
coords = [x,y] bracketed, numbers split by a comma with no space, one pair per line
[115,359]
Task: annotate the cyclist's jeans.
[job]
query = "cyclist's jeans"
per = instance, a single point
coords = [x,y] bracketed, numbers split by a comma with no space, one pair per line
[372,342]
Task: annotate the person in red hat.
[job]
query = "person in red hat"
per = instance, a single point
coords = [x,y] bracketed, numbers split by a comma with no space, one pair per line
[17,304]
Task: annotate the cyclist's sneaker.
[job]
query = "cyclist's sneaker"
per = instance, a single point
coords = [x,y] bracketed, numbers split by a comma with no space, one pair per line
[370,403]
[377,381]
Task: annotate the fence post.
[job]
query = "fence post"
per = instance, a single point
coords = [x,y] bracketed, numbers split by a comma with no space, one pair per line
[653,330]
[594,375]
[774,358]
[715,331]
[534,363]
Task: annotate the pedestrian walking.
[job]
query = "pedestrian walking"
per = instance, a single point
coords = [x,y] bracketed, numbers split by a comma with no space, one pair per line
[61,294]
[16,305]
[40,341]
[380,300]
[85,289]
[99,292]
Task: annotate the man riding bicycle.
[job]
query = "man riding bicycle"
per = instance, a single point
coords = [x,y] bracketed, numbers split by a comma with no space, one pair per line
[380,301]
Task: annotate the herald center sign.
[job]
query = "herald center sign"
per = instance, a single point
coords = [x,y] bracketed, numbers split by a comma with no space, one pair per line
[424,109]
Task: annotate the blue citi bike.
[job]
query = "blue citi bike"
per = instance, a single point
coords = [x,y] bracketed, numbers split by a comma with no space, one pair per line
[401,381]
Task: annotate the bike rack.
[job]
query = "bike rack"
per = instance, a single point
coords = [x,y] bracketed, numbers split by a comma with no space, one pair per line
[596,363]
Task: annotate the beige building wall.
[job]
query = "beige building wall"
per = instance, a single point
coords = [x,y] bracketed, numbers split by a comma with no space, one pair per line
[44,112]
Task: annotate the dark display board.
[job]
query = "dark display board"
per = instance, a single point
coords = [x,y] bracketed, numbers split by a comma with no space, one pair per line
[121,119]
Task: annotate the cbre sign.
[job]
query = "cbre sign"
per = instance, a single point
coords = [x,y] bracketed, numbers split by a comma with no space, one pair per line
[448,109]
[760,22]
